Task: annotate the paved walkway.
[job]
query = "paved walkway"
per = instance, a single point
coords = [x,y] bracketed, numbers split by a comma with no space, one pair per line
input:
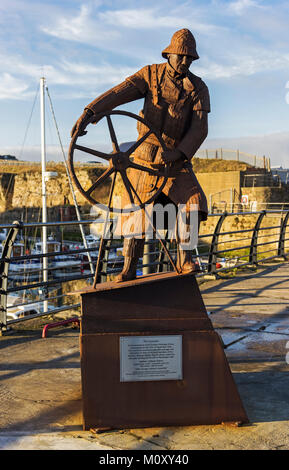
[40,391]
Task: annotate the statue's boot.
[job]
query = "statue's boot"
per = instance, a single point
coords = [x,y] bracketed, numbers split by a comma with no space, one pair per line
[185,262]
[132,251]
[129,269]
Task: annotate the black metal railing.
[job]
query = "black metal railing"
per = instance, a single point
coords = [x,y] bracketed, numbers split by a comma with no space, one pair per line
[227,241]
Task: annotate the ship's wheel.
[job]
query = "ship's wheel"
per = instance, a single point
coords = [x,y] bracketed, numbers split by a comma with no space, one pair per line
[118,162]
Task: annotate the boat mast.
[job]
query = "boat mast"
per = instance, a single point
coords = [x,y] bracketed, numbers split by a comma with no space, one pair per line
[43,167]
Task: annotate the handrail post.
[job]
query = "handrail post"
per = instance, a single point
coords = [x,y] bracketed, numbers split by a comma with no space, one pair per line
[281,244]
[163,259]
[253,256]
[104,262]
[104,255]
[4,267]
[147,256]
[215,240]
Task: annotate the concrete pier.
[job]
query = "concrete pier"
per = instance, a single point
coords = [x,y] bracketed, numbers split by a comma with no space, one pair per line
[40,390]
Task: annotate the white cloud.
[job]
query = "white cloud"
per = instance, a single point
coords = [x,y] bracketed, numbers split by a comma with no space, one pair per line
[260,60]
[80,28]
[134,33]
[86,74]
[21,76]
[241,6]
[287,94]
[124,30]
[82,79]
[12,88]
[143,18]
[16,64]
[83,50]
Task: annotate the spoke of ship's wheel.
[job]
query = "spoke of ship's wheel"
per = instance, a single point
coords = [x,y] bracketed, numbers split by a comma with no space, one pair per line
[112,135]
[100,180]
[138,143]
[151,171]
[127,185]
[100,249]
[156,232]
[96,153]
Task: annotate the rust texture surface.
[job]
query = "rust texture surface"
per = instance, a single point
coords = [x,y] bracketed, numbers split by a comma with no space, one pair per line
[172,305]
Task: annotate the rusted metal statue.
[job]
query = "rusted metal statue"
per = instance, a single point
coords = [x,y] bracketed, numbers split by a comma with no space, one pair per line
[125,387]
[176,104]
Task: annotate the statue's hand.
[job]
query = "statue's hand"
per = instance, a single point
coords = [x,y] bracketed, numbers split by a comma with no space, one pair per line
[169,156]
[81,123]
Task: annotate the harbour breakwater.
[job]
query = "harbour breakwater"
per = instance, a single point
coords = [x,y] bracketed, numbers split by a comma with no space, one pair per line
[20,193]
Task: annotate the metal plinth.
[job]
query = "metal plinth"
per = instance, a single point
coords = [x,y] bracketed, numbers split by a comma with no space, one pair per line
[153,305]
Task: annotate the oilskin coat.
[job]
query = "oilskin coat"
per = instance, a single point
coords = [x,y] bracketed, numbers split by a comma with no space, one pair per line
[169,106]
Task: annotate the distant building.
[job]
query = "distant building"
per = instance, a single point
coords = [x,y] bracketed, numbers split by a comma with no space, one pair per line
[283,173]
[7,157]
[254,189]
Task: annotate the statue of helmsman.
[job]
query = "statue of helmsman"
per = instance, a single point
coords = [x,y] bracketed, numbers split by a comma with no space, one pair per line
[176,104]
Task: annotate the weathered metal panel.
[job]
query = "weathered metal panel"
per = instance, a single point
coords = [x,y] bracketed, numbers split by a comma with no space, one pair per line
[164,305]
[154,301]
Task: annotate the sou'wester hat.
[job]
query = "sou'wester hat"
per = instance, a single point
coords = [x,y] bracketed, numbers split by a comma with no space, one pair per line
[182,42]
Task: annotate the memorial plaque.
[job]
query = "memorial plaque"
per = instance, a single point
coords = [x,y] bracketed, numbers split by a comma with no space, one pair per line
[144,358]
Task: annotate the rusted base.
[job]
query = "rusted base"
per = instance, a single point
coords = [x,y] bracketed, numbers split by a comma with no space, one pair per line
[233,424]
[169,304]
[100,430]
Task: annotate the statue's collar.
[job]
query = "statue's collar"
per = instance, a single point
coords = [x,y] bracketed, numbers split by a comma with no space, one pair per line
[173,74]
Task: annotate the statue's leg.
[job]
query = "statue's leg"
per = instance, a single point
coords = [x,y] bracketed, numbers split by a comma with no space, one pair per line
[185,260]
[132,251]
[133,247]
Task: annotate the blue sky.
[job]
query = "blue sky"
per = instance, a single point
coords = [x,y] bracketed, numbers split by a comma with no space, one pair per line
[84,48]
